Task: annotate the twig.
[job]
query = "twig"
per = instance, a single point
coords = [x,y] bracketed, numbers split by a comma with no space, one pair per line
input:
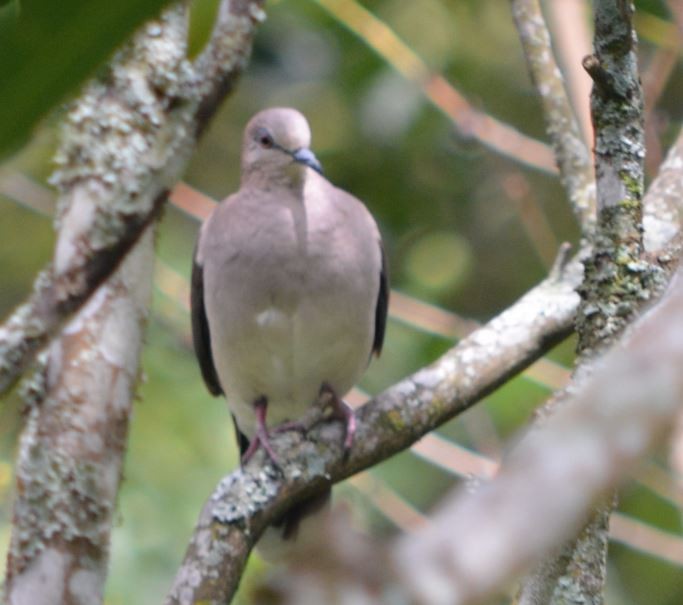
[388,502]
[571,35]
[469,121]
[571,153]
[646,538]
[663,202]
[151,139]
[246,501]
[532,215]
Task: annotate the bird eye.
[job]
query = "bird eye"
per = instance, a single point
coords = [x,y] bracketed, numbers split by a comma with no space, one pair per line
[264,139]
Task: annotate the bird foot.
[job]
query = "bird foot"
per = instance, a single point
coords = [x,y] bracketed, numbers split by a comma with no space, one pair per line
[262,436]
[343,411]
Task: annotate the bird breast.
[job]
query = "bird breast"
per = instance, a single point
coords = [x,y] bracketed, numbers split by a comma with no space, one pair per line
[292,298]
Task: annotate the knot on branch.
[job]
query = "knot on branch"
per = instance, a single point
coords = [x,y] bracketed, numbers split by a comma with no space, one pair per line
[604,81]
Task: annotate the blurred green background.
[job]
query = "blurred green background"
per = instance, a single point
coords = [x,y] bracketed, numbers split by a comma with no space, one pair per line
[465,228]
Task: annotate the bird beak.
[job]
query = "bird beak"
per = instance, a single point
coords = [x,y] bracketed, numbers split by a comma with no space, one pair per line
[306,157]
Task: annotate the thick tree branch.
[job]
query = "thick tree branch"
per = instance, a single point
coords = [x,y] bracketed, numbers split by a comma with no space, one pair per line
[244,502]
[571,154]
[230,45]
[125,142]
[622,412]
[72,448]
[662,209]
[618,279]
[126,149]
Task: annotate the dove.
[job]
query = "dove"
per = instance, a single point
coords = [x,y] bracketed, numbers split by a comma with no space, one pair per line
[289,291]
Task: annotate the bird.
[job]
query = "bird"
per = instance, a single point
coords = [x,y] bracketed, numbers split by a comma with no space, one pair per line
[289,292]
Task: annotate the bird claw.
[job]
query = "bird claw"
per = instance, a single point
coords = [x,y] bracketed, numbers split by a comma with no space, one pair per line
[260,440]
[343,411]
[262,436]
[340,410]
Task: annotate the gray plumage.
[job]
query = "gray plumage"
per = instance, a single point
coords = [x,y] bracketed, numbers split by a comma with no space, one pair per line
[289,286]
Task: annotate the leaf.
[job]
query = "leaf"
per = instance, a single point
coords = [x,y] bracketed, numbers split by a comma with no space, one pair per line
[48,48]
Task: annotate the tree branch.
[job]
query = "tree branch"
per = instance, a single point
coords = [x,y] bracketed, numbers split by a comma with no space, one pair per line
[126,140]
[71,451]
[617,279]
[127,173]
[571,154]
[246,501]
[229,45]
[663,202]
[662,225]
[585,448]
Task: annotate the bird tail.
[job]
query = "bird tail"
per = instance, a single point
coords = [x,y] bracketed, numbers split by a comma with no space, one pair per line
[296,529]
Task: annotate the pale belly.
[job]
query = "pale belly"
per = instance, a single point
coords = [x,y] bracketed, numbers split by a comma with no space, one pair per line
[291,303]
[287,355]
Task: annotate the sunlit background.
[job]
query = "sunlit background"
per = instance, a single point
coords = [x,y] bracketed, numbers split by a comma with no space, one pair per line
[424,110]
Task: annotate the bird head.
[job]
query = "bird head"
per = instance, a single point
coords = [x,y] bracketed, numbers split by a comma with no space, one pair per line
[276,144]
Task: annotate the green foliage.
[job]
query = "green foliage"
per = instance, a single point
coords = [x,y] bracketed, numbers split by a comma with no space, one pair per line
[48,48]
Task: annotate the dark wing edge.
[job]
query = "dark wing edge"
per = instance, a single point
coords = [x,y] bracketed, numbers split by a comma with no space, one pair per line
[382,305]
[242,440]
[200,329]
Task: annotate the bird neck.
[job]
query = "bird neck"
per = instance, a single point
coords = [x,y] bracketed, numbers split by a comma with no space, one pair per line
[291,177]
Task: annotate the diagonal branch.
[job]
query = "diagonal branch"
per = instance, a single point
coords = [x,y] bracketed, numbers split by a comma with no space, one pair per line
[225,56]
[157,132]
[662,224]
[245,502]
[468,120]
[552,478]
[571,154]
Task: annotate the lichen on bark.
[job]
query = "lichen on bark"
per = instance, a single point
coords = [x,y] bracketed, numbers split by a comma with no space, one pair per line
[617,276]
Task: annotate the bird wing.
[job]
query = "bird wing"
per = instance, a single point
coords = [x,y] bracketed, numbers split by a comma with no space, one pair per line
[201,336]
[242,439]
[382,305]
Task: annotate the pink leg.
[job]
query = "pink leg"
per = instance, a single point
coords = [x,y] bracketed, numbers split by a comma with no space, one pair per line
[262,438]
[343,411]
